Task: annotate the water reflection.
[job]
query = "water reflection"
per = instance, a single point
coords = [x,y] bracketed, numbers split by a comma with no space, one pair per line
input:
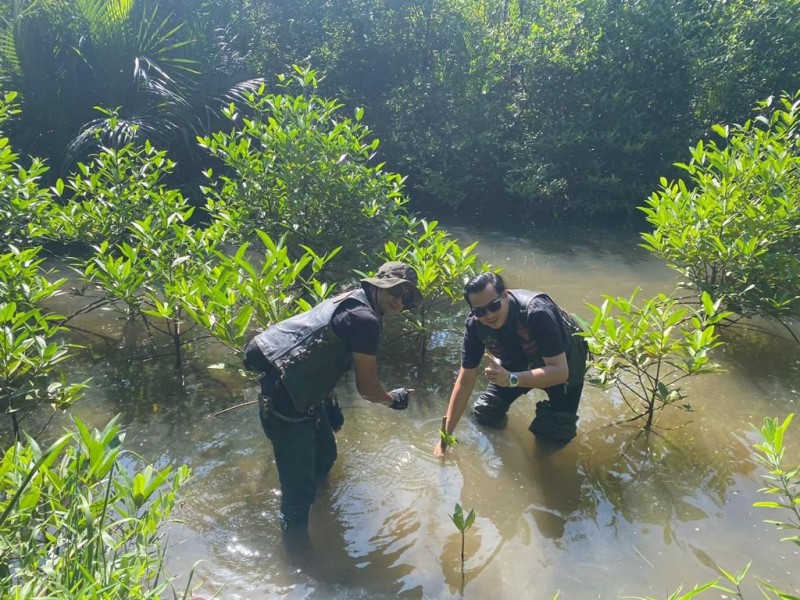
[655,480]
[614,513]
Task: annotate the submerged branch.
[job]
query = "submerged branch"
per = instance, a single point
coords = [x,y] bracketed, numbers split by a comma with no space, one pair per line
[230,408]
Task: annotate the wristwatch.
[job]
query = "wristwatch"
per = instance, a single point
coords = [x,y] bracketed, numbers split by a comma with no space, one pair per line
[513,380]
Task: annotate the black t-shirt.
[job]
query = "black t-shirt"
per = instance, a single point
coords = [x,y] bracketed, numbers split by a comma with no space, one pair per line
[543,321]
[358,325]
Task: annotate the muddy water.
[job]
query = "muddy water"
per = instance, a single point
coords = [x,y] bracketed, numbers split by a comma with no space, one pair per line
[611,515]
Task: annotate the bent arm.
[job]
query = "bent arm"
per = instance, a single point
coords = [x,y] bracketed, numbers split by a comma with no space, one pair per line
[554,372]
[367,382]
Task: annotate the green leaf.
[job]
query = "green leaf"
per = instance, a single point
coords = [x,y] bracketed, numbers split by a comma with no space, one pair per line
[179,261]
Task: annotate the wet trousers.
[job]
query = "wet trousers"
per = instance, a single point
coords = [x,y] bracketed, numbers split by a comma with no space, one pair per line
[304,448]
[556,418]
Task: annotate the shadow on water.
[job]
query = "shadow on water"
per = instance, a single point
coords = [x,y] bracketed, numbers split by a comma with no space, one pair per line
[612,514]
[652,479]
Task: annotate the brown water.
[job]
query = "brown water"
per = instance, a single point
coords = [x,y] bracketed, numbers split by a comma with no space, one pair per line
[612,515]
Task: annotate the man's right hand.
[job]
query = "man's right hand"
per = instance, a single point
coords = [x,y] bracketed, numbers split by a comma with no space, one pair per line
[440,449]
[400,397]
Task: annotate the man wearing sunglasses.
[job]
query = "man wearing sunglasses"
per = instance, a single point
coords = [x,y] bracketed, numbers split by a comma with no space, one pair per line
[301,359]
[528,342]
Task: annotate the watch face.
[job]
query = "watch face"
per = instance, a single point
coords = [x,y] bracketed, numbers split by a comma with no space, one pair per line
[513,380]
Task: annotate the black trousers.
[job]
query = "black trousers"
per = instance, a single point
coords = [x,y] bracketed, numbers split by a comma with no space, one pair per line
[304,448]
[492,405]
[555,417]
[555,420]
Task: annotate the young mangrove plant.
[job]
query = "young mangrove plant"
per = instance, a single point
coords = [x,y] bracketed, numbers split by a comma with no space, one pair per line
[447,438]
[784,481]
[31,351]
[730,229]
[102,199]
[175,256]
[254,288]
[463,525]
[646,349]
[23,202]
[144,252]
[296,165]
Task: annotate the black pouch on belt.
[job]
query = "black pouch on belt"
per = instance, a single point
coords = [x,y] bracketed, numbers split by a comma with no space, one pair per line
[335,414]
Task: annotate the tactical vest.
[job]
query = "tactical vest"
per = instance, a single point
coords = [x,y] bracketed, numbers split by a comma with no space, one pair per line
[575,345]
[306,352]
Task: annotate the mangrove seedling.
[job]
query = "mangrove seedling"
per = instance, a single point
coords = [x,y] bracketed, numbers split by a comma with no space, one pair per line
[463,525]
[447,438]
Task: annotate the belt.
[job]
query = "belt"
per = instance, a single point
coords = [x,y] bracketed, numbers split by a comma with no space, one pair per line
[265,404]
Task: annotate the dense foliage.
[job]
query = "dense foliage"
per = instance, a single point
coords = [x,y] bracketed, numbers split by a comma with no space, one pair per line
[31,351]
[538,109]
[731,227]
[296,166]
[127,68]
[297,176]
[73,520]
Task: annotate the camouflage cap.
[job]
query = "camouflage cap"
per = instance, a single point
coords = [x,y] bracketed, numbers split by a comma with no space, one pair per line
[395,273]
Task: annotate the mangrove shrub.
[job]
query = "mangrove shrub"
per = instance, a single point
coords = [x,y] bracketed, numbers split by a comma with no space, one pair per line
[31,349]
[645,349]
[296,166]
[732,227]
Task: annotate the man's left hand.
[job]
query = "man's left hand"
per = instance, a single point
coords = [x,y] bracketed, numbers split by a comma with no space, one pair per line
[494,372]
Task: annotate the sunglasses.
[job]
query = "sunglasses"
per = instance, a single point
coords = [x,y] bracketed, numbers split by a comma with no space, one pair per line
[405,296]
[493,306]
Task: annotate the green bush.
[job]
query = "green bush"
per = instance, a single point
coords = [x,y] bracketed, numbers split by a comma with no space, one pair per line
[75,523]
[646,349]
[31,350]
[22,201]
[731,229]
[442,265]
[109,193]
[295,166]
[253,289]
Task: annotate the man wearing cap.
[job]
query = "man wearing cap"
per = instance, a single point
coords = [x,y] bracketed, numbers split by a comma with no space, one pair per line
[528,342]
[301,360]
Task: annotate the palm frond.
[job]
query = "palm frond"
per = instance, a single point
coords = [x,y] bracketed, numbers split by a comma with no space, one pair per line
[9,60]
[103,17]
[153,125]
[9,30]
[238,92]
[162,93]
[160,38]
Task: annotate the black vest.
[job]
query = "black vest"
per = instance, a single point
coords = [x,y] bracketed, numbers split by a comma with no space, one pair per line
[306,352]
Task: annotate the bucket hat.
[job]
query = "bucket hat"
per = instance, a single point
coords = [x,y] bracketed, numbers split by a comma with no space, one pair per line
[394,273]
